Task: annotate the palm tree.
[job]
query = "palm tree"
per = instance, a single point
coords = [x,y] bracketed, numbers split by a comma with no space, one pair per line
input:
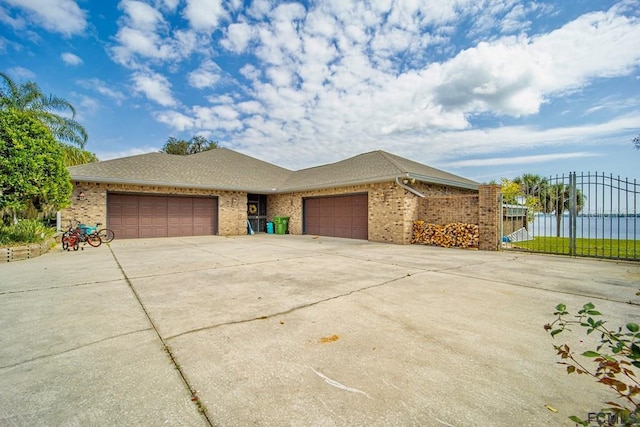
[28,97]
[556,199]
[77,156]
[531,184]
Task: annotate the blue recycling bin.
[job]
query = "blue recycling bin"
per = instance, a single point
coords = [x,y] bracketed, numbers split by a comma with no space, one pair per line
[269,227]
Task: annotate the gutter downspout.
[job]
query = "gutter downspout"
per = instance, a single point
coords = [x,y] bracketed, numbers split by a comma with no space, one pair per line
[406,187]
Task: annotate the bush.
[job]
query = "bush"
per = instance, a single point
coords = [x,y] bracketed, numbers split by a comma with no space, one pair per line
[25,231]
[611,363]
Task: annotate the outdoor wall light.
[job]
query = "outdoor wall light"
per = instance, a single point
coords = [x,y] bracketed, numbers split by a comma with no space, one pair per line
[81,195]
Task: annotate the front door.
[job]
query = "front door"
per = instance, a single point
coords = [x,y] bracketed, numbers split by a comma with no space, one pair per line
[257,212]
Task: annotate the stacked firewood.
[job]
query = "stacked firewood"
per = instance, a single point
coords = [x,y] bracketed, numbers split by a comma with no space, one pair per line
[456,234]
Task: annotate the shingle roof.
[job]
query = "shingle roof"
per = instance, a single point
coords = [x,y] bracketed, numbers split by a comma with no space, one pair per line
[220,169]
[376,166]
[225,169]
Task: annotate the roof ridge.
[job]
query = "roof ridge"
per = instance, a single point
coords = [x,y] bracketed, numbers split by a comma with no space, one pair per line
[390,158]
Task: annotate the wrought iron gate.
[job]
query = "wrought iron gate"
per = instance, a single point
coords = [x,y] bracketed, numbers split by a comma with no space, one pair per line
[586,214]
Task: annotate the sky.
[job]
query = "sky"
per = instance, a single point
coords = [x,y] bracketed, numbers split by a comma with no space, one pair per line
[483,89]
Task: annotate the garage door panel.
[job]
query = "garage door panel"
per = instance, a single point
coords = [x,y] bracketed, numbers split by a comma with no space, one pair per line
[133,216]
[338,216]
[359,233]
[343,221]
[203,223]
[343,232]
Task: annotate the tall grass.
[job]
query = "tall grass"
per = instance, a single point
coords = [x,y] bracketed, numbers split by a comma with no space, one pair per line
[25,231]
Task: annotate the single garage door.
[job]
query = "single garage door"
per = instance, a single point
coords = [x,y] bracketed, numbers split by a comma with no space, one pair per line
[337,216]
[136,216]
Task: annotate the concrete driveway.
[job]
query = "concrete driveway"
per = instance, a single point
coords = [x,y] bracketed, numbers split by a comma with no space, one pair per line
[296,330]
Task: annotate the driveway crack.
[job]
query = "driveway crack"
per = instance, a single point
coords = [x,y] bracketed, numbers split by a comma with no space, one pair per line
[291,310]
[22,362]
[194,396]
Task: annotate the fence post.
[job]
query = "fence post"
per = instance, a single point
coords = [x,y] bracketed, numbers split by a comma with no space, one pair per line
[573,213]
[489,215]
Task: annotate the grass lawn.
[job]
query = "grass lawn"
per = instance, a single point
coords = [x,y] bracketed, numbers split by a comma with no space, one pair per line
[604,248]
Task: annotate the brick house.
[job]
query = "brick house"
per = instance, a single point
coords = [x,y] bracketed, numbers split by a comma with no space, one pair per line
[373,196]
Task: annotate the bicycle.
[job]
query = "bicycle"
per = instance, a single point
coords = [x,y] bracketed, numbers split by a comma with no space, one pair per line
[71,239]
[106,235]
[80,234]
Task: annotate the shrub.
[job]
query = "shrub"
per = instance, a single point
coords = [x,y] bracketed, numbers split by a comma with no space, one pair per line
[611,363]
[25,231]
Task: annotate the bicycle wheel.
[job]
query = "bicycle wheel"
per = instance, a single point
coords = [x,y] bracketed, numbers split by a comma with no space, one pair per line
[94,240]
[106,235]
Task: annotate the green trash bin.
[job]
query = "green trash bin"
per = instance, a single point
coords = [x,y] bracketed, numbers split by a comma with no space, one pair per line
[281,223]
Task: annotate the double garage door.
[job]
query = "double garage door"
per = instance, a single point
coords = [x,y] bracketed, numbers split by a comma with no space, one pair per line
[138,216]
[337,216]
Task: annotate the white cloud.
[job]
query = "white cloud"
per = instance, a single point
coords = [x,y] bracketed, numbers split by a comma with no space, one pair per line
[238,37]
[141,15]
[204,15]
[89,106]
[169,5]
[389,74]
[250,72]
[601,44]
[155,87]
[21,73]
[175,120]
[485,141]
[217,117]
[259,8]
[144,35]
[60,16]
[103,88]
[108,155]
[71,59]
[523,160]
[250,107]
[207,75]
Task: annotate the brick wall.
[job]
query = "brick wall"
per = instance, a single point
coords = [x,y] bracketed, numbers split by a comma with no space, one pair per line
[447,209]
[481,208]
[232,205]
[386,216]
[392,209]
[490,212]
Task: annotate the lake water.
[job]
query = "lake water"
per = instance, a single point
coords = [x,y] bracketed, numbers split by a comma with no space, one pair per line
[608,227]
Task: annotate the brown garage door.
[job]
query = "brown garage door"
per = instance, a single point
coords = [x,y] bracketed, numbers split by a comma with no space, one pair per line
[135,216]
[337,216]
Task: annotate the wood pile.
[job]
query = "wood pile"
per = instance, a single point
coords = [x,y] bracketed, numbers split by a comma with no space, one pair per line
[456,234]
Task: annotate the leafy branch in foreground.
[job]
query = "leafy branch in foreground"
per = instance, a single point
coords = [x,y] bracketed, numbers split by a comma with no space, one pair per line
[611,363]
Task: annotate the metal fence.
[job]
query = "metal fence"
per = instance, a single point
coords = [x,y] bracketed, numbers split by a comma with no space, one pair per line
[579,214]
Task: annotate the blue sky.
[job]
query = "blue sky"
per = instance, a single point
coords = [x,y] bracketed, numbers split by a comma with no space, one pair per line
[481,88]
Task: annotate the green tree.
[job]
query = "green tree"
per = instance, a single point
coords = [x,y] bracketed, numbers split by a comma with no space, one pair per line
[513,194]
[28,97]
[556,199]
[77,156]
[510,190]
[33,176]
[197,144]
[531,184]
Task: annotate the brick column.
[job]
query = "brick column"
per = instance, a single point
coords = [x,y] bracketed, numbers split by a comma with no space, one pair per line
[489,217]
